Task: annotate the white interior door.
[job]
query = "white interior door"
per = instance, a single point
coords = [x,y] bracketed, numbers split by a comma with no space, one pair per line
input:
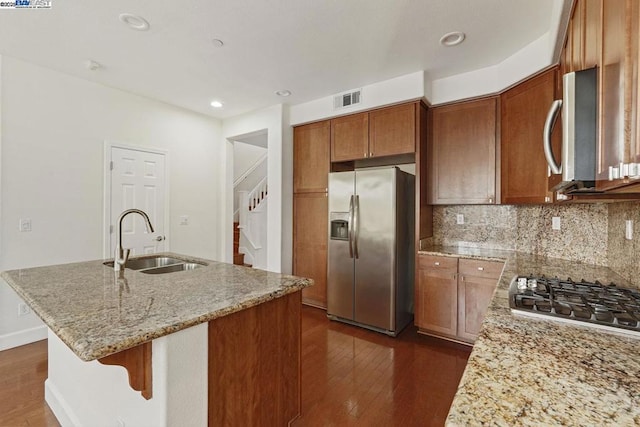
[138,181]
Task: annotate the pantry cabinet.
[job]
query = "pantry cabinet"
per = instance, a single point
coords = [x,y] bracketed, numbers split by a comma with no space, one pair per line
[311,157]
[524,176]
[310,211]
[452,296]
[462,149]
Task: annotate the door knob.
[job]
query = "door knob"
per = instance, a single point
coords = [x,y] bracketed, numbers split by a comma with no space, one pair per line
[159,238]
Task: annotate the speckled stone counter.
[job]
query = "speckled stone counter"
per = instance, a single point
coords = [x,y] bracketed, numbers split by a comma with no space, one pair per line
[96,312]
[531,372]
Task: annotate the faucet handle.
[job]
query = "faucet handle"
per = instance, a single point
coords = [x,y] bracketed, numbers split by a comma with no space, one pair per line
[125,255]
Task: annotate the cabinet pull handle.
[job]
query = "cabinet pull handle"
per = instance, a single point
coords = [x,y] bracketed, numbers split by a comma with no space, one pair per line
[436,263]
[461,278]
[365,155]
[371,154]
[481,268]
[491,199]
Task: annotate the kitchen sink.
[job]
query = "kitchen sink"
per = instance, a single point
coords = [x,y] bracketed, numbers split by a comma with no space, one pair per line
[158,264]
[185,266]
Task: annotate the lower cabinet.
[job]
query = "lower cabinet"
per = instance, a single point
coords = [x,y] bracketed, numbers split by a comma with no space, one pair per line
[310,211]
[453,295]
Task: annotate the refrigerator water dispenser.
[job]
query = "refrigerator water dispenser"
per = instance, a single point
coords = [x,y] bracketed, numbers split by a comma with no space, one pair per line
[339,226]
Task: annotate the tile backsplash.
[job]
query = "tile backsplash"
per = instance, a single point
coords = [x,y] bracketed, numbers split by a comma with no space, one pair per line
[592,233]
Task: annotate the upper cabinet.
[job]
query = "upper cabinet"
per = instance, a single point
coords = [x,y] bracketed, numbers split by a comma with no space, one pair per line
[392,131]
[385,132]
[524,177]
[311,157]
[350,137]
[462,148]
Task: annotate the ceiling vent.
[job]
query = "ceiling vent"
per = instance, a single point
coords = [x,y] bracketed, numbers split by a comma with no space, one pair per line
[347,99]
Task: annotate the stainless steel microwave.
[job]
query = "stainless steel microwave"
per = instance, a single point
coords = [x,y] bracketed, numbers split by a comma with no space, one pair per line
[579,107]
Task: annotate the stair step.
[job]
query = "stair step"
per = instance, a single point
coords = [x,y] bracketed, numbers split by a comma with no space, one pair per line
[238,259]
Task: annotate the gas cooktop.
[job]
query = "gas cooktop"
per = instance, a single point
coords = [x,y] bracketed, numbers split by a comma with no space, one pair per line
[603,306]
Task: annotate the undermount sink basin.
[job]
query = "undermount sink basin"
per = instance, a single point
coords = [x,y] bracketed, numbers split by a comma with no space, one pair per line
[158,264]
[172,268]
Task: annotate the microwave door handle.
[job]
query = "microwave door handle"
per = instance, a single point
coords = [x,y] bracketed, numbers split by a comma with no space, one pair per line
[350,231]
[549,124]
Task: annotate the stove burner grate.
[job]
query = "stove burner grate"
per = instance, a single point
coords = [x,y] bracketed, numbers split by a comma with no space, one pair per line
[608,306]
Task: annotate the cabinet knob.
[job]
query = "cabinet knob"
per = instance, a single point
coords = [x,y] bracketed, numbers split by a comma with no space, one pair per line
[371,154]
[481,268]
[490,199]
[436,263]
[365,155]
[547,199]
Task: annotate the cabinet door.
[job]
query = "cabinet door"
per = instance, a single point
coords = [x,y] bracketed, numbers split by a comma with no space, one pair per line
[310,219]
[524,177]
[392,131]
[576,29]
[463,153]
[311,157]
[350,137]
[591,44]
[477,281]
[437,294]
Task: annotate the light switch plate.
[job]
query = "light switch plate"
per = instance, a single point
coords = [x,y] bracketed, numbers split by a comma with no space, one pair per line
[25,224]
[555,223]
[184,220]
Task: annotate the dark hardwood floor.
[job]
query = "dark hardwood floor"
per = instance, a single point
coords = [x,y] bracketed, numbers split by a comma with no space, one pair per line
[350,376]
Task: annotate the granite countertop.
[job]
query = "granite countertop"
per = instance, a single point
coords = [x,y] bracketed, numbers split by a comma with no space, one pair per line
[98,312]
[531,372]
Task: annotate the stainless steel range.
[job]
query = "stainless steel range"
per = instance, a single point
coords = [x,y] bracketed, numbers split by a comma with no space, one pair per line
[603,306]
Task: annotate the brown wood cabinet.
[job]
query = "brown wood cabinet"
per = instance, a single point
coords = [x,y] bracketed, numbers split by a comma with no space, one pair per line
[436,298]
[388,131]
[392,130]
[477,282]
[350,137]
[310,211]
[524,177]
[452,296]
[462,148]
[311,157]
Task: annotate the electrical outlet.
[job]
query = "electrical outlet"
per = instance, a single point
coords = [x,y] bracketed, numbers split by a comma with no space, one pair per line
[184,220]
[459,219]
[23,309]
[25,224]
[628,229]
[555,223]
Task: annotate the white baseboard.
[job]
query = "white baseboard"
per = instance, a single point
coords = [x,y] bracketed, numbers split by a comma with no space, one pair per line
[59,406]
[26,336]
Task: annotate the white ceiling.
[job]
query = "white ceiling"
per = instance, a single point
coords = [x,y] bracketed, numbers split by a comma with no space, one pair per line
[314,48]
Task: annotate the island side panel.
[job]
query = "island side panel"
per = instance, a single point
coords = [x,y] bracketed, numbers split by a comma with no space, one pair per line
[254,364]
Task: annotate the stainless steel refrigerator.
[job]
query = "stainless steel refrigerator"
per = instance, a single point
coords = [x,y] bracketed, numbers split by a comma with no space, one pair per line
[371,248]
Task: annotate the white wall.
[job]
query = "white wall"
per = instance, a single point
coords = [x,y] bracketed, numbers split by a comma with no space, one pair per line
[280,199]
[244,157]
[399,89]
[53,132]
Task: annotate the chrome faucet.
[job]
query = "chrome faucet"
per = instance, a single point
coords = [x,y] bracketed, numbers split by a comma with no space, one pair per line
[122,255]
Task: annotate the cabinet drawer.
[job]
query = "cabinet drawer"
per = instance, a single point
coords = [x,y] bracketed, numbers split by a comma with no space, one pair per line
[437,263]
[479,268]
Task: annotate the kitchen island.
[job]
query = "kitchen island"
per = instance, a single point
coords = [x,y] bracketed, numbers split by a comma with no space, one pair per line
[525,371]
[219,344]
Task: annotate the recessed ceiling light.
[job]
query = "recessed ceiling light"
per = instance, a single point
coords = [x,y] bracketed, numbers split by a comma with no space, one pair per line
[134,22]
[452,39]
[216,104]
[217,43]
[283,92]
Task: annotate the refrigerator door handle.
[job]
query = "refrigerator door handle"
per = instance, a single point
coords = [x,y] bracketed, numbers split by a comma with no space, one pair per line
[356,225]
[350,231]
